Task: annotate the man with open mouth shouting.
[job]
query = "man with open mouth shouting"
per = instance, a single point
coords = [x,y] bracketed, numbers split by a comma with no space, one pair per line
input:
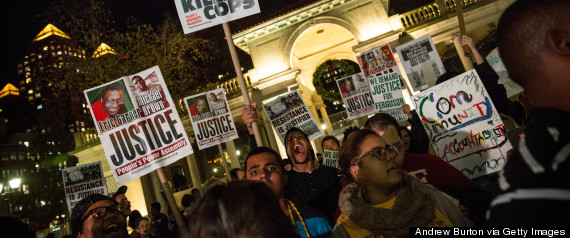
[310,184]
[97,215]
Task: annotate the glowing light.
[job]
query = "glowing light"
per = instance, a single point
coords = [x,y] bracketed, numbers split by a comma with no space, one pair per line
[215,170]
[48,31]
[323,126]
[15,183]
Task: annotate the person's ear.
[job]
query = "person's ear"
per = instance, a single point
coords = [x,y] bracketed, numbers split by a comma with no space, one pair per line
[354,172]
[559,41]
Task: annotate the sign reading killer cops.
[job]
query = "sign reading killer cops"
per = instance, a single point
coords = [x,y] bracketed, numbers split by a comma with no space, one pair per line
[139,128]
[81,181]
[356,95]
[196,15]
[289,110]
[211,118]
[463,126]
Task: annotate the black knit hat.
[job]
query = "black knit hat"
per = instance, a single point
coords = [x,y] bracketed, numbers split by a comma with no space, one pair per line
[120,190]
[81,207]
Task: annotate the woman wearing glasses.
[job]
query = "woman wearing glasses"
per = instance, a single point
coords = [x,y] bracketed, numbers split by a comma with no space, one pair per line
[383,200]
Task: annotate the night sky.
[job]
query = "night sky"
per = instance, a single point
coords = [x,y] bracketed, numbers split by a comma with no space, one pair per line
[21,22]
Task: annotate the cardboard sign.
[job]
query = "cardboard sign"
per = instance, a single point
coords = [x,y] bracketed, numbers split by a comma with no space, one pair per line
[330,158]
[356,96]
[496,62]
[378,61]
[387,94]
[289,110]
[138,125]
[196,15]
[421,62]
[81,181]
[464,127]
[211,118]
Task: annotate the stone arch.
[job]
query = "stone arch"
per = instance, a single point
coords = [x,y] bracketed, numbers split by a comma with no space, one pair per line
[306,48]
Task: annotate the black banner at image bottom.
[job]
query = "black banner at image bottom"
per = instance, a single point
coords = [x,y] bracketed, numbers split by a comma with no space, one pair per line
[487,232]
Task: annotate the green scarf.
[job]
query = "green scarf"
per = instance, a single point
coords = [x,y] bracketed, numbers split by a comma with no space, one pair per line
[414,208]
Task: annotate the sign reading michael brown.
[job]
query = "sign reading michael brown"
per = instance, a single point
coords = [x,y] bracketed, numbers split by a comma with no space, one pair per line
[138,125]
[464,127]
[211,118]
[196,15]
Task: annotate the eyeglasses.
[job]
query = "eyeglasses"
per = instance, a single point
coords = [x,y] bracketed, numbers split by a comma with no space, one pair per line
[99,212]
[380,152]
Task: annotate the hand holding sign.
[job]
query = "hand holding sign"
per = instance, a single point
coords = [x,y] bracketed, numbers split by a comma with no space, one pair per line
[249,115]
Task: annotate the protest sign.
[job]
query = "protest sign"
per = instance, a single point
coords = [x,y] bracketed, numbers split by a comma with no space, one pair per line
[387,95]
[81,181]
[421,62]
[497,63]
[289,110]
[211,118]
[330,158]
[378,61]
[463,126]
[138,125]
[355,93]
[196,15]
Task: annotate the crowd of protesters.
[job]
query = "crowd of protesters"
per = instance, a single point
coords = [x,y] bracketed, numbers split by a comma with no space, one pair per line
[388,181]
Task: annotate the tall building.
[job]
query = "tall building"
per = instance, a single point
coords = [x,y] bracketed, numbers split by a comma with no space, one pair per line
[41,72]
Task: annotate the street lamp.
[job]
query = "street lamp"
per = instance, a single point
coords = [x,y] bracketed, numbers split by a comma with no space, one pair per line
[15,183]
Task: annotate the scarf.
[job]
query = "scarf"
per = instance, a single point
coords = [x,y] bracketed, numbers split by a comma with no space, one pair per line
[414,207]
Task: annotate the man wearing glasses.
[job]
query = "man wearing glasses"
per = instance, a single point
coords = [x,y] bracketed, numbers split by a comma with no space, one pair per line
[97,215]
[433,170]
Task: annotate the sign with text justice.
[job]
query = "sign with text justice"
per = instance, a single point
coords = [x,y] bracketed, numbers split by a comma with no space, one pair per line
[289,110]
[463,125]
[138,124]
[81,181]
[356,96]
[211,118]
[196,15]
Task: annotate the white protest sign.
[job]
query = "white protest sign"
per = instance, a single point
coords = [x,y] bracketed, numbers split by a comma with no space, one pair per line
[464,127]
[496,62]
[356,96]
[421,62]
[196,15]
[378,61]
[138,124]
[330,158]
[81,181]
[387,94]
[211,118]
[289,110]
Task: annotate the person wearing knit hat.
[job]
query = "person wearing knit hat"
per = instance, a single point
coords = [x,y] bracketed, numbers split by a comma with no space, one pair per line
[124,203]
[97,215]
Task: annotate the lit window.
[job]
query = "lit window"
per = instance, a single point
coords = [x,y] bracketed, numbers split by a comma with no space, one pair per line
[45,48]
[40,107]
[27,144]
[39,56]
[30,91]
[31,98]
[59,52]
[38,95]
[28,80]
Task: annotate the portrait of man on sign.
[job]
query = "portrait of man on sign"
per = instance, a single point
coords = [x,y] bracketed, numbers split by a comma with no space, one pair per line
[199,108]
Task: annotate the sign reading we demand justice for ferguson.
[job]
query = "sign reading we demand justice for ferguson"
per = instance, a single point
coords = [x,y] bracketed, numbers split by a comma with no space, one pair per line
[211,118]
[196,15]
[289,110]
[464,127]
[138,125]
[81,181]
